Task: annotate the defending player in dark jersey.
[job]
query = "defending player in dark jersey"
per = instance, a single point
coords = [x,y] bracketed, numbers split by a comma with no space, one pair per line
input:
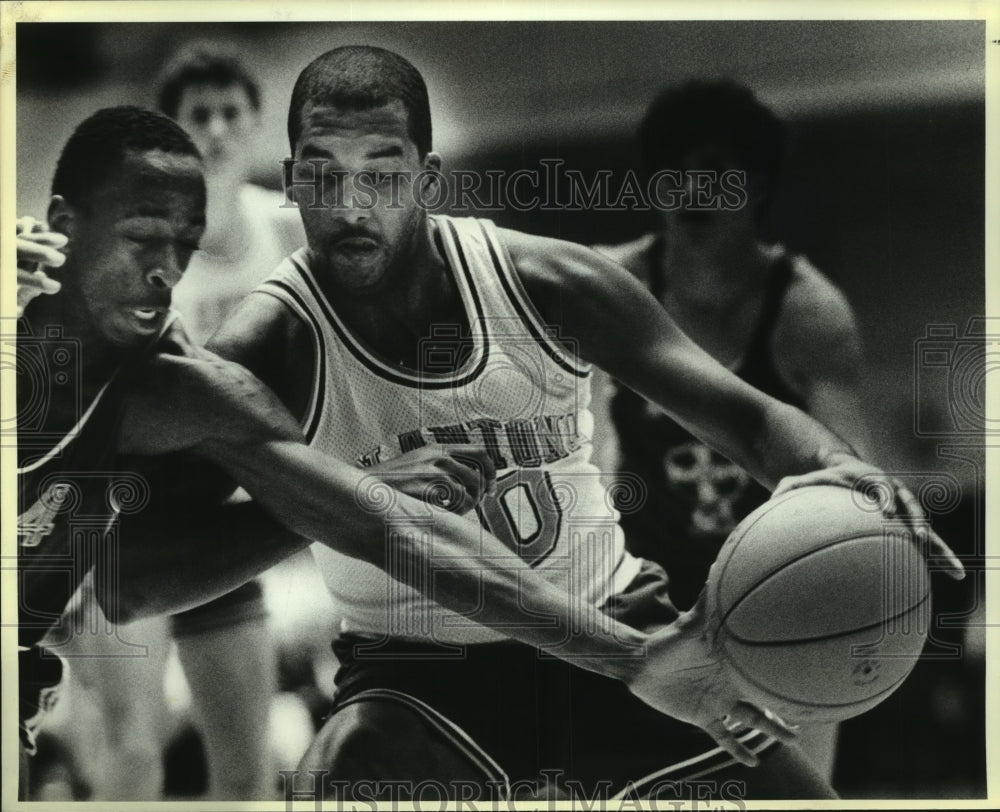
[129,199]
[765,313]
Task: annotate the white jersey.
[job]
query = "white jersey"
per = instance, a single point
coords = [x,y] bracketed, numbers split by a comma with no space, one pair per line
[519,395]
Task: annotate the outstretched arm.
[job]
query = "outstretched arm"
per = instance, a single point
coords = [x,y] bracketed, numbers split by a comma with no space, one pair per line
[621,328]
[451,559]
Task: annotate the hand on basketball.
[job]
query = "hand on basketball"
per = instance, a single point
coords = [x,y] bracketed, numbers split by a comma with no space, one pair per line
[684,677]
[37,247]
[896,500]
[453,477]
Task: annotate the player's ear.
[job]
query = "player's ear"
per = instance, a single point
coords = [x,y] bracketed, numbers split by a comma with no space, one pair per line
[431,168]
[432,162]
[62,218]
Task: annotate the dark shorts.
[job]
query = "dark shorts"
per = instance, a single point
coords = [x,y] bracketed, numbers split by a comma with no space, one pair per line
[536,715]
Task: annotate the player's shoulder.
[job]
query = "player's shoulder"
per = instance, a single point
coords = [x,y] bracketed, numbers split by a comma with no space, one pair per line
[261,319]
[815,321]
[812,297]
[548,259]
[554,271]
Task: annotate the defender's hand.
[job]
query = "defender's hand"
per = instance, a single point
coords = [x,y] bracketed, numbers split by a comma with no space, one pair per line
[453,477]
[895,498]
[37,248]
[683,677]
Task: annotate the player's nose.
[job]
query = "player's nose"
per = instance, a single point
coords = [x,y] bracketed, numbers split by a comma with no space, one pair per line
[166,272]
[353,208]
[217,126]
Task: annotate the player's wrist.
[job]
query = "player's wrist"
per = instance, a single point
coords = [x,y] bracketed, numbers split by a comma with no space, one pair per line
[618,652]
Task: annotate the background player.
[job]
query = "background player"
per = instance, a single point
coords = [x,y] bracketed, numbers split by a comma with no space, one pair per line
[344,331]
[130,202]
[764,313]
[227,646]
[208,90]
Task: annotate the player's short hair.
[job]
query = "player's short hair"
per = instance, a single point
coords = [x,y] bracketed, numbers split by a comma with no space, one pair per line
[202,63]
[722,112]
[359,77]
[99,145]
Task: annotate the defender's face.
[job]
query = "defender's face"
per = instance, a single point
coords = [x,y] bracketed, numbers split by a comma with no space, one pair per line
[708,220]
[132,242]
[366,222]
[222,122]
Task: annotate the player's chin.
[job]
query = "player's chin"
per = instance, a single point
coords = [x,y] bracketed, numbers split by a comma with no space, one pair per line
[362,277]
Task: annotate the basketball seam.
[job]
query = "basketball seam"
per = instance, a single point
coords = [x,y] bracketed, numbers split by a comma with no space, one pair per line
[783,565]
[832,635]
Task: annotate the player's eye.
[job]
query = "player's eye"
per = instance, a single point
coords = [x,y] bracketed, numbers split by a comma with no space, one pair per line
[200,115]
[385,179]
[231,113]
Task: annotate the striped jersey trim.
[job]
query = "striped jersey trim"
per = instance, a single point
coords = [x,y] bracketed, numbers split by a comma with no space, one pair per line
[286,294]
[450,731]
[518,298]
[375,365]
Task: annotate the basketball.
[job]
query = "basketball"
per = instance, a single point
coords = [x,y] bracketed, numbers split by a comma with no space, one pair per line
[820,604]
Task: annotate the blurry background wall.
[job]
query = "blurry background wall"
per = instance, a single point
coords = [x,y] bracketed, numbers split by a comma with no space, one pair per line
[883,190]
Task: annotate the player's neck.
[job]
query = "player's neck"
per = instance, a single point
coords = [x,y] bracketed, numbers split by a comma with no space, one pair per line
[420,293]
[713,280]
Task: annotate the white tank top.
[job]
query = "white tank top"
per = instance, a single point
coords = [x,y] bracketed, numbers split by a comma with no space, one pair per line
[519,395]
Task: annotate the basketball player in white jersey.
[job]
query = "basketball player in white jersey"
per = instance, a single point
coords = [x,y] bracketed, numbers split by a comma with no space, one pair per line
[128,202]
[397,335]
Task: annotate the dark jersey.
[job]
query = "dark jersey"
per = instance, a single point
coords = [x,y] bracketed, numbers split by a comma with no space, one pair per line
[70,491]
[696,495]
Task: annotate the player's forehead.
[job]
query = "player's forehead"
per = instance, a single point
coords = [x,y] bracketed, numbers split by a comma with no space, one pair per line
[328,127]
[155,183]
[213,95]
